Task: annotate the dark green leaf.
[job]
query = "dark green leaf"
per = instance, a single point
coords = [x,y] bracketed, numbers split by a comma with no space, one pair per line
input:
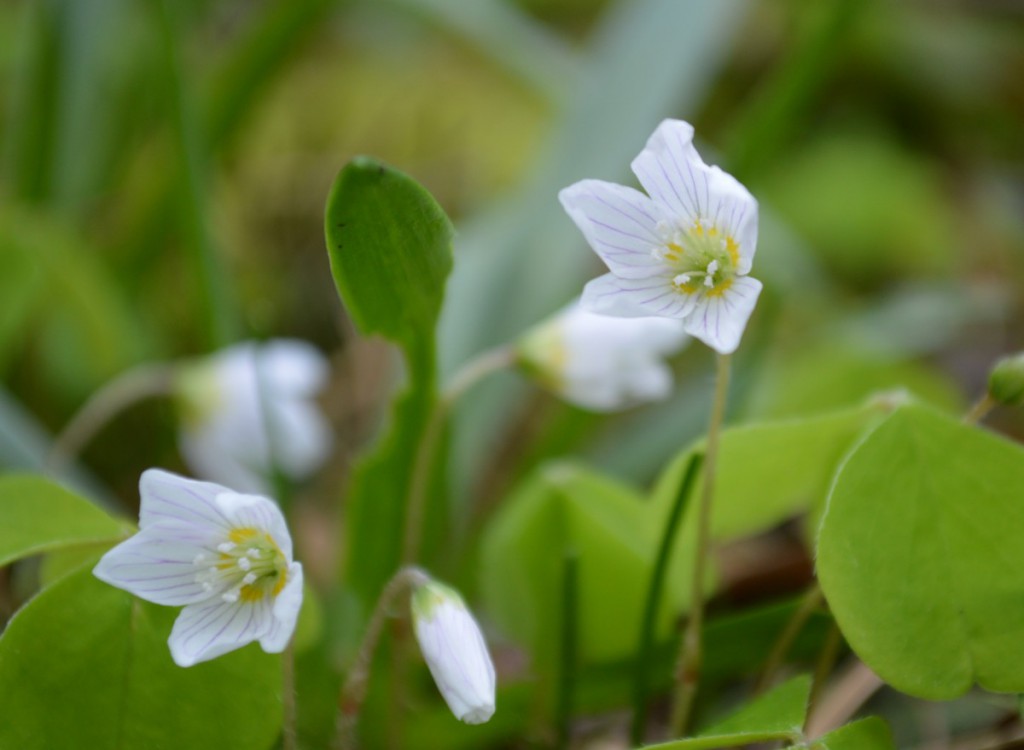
[390,249]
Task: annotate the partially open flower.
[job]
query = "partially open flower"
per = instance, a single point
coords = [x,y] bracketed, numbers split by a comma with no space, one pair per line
[600,362]
[249,411]
[455,651]
[225,556]
[682,251]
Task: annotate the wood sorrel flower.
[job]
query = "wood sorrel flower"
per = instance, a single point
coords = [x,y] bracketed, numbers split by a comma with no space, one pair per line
[225,556]
[249,410]
[600,362]
[682,251]
[455,651]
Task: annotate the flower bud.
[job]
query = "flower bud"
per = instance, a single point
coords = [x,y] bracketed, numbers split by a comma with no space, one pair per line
[599,362]
[1006,382]
[455,651]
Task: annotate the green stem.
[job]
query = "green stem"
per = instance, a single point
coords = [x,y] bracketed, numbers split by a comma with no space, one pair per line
[823,667]
[126,389]
[689,664]
[567,655]
[290,736]
[980,409]
[810,602]
[353,692]
[654,593]
[470,374]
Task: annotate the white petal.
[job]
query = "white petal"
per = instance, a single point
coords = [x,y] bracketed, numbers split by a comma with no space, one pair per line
[157,564]
[672,172]
[209,629]
[719,320]
[674,175]
[212,451]
[285,613]
[636,298]
[302,437]
[169,498]
[619,223]
[262,417]
[256,512]
[734,210]
[292,367]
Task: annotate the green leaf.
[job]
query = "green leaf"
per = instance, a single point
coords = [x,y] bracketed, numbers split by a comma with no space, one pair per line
[390,249]
[920,557]
[37,515]
[85,665]
[767,472]
[564,508]
[870,733]
[777,715]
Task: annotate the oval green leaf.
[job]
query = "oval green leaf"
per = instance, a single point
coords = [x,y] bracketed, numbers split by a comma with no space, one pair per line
[920,555]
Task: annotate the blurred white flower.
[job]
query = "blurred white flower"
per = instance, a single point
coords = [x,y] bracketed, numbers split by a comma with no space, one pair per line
[601,362]
[455,651]
[225,556]
[250,410]
[682,251]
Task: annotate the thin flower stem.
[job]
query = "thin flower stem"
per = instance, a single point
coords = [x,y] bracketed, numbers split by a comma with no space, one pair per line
[110,400]
[810,602]
[470,374]
[688,666]
[823,666]
[353,692]
[567,655]
[654,594]
[290,735]
[843,699]
[980,409]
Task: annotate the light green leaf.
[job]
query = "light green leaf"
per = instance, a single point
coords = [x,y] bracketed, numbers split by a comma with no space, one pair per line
[37,515]
[390,249]
[85,665]
[777,715]
[870,733]
[920,555]
[561,508]
[767,472]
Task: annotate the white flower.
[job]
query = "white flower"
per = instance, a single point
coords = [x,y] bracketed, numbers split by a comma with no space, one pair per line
[682,251]
[249,410]
[601,362]
[225,556]
[455,651]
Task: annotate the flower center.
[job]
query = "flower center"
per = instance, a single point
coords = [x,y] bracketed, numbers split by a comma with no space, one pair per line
[700,256]
[248,565]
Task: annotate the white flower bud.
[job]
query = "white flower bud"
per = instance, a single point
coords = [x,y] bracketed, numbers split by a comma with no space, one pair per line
[455,651]
[602,363]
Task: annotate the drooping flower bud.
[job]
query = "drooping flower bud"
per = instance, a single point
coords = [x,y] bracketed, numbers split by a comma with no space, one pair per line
[1006,382]
[455,651]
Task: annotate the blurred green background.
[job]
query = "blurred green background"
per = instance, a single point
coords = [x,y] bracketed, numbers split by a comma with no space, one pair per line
[164,165]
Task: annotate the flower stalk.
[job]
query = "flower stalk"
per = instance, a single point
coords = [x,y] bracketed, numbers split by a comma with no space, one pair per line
[688,666]
[353,691]
[126,389]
